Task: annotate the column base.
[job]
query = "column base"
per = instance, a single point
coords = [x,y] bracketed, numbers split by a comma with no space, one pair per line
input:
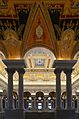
[65,114]
[14,114]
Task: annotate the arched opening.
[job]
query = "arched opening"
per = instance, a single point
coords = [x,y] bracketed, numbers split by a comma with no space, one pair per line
[39,57]
[3,73]
[40,100]
[74,101]
[4,101]
[76,56]
[76,66]
[64,97]
[28,101]
[15,98]
[52,100]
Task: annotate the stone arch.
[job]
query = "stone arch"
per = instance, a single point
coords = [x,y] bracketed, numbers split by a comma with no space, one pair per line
[52,95]
[3,50]
[30,49]
[75,50]
[4,94]
[38,45]
[76,66]
[2,56]
[39,94]
[15,95]
[64,95]
[40,52]
[27,94]
[76,56]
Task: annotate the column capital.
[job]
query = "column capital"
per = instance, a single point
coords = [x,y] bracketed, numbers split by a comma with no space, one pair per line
[68,71]
[21,71]
[57,71]
[10,70]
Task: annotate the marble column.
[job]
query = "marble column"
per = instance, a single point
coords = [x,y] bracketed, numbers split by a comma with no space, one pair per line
[20,90]
[57,71]
[17,65]
[68,87]
[10,72]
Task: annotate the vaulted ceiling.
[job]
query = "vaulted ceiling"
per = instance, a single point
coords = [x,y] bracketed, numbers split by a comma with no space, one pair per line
[29,23]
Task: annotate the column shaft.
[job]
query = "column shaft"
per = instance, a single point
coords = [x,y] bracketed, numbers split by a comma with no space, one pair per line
[20,90]
[58,88]
[69,88]
[10,87]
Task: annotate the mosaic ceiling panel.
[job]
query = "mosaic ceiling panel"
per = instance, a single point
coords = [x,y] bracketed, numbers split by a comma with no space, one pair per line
[63,15]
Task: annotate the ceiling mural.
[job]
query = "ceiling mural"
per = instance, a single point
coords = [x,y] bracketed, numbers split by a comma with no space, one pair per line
[54,17]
